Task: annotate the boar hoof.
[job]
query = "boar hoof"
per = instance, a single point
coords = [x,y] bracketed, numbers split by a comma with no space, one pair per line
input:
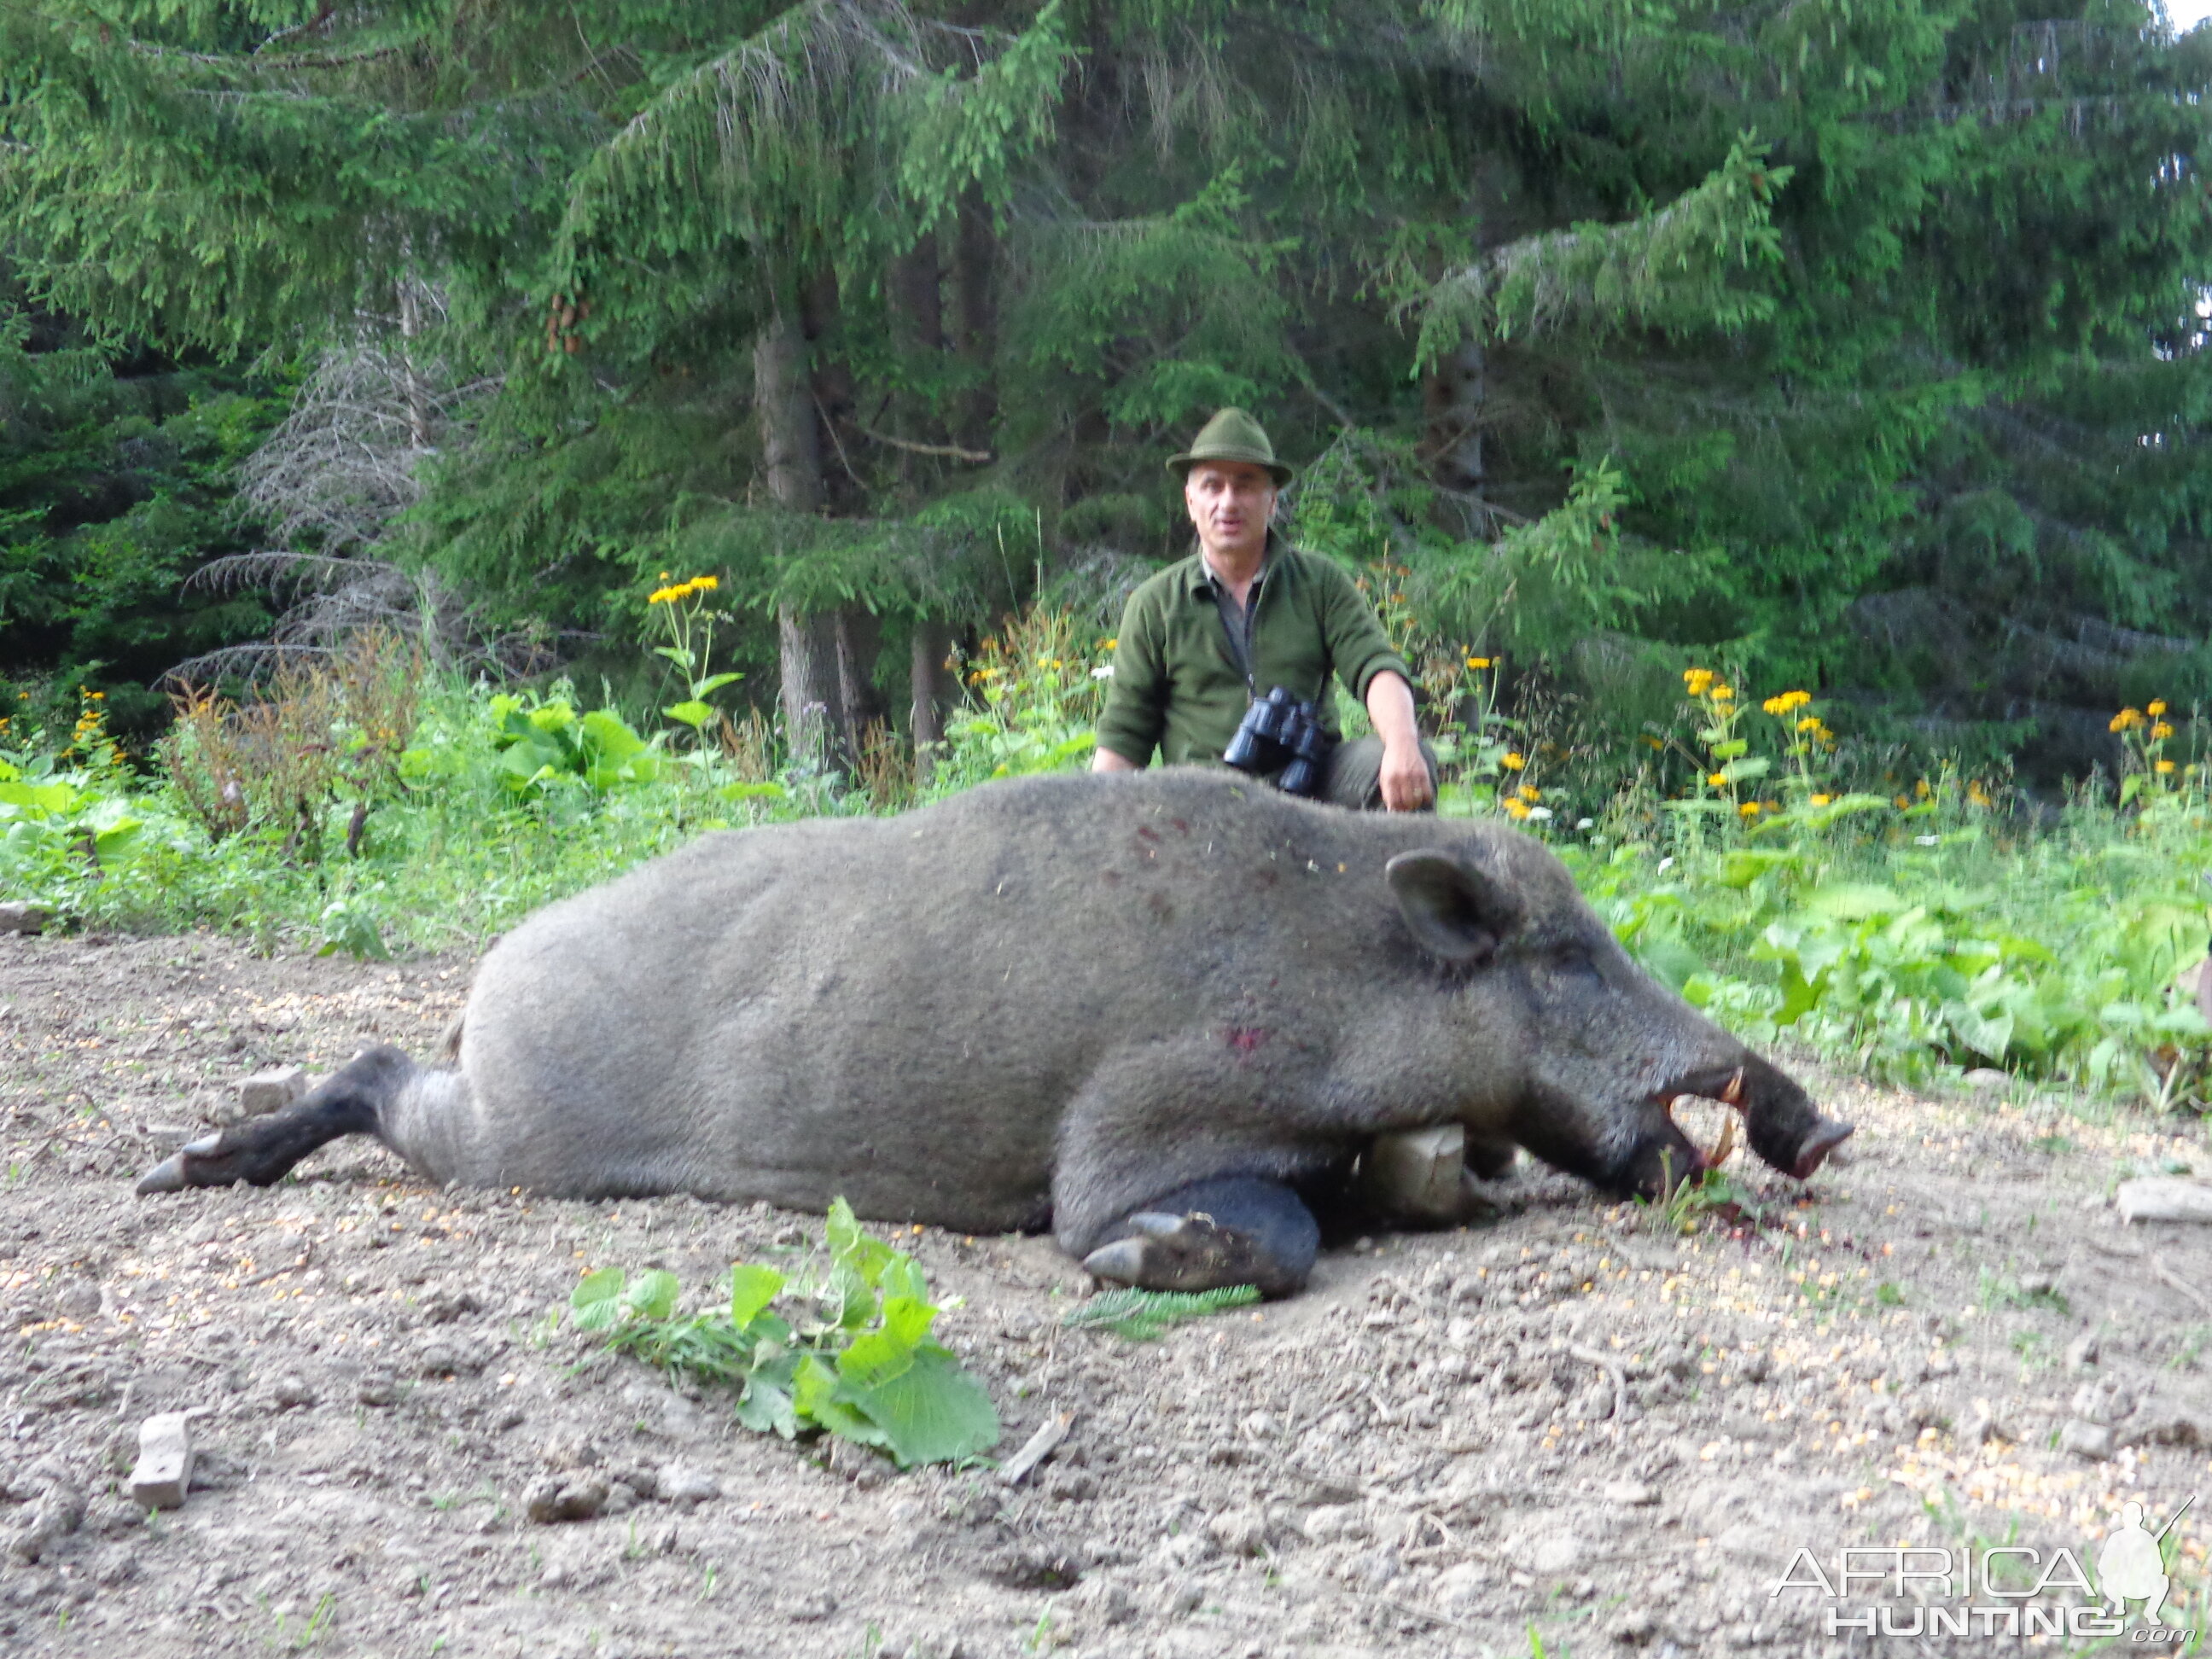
[1186,1253]
[202,1162]
[1824,1138]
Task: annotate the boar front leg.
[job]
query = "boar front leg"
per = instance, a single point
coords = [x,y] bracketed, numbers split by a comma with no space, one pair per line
[1179,1162]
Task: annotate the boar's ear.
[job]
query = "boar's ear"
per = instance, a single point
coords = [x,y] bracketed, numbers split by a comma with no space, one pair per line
[1455,911]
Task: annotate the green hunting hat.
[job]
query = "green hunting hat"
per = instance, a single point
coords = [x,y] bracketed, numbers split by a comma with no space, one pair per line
[1231,436]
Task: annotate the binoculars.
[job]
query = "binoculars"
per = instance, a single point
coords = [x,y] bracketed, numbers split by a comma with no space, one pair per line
[1281,735]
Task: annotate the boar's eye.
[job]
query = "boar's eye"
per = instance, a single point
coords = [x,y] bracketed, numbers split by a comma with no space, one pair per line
[1574,960]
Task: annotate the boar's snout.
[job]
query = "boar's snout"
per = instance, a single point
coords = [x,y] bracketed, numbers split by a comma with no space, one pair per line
[1779,1119]
[1784,1127]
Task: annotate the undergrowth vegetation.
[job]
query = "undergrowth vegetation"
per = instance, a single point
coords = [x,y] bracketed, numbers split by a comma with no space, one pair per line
[1907,927]
[844,1350]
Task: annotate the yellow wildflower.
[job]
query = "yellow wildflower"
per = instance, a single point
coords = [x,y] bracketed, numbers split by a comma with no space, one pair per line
[1903,800]
[1478,662]
[1695,680]
[2162,731]
[2126,718]
[1979,796]
[1749,809]
[1786,702]
[1922,789]
[1822,801]
[1112,644]
[1514,762]
[1718,780]
[1530,792]
[1516,807]
[1723,693]
[2155,707]
[2165,766]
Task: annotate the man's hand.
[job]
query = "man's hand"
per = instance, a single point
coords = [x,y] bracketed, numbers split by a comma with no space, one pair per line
[1105,760]
[1406,785]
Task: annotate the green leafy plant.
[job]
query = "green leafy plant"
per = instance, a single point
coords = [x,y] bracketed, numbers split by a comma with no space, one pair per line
[544,743]
[853,1357]
[1141,1316]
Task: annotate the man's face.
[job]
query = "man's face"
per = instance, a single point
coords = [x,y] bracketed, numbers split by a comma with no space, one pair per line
[1230,503]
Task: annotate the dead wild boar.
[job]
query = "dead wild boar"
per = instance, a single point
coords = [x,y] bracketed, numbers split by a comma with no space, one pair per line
[1157,1013]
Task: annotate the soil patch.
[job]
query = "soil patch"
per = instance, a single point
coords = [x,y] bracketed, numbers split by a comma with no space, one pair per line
[1579,1420]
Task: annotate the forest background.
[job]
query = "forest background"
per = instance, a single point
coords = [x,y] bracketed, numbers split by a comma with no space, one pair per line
[1857,342]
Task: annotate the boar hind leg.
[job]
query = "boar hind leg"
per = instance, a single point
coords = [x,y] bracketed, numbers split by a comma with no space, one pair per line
[1233,1230]
[263,1150]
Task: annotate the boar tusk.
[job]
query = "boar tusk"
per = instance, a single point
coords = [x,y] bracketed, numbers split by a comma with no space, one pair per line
[1725,1145]
[1732,1094]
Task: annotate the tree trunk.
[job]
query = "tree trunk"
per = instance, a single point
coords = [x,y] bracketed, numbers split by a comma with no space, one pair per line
[807,653]
[930,686]
[417,395]
[1453,393]
[814,721]
[784,403]
[857,634]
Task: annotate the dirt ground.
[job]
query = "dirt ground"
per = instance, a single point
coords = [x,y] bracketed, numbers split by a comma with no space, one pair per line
[1578,1425]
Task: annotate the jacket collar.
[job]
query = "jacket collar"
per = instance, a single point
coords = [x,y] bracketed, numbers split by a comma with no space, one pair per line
[1200,579]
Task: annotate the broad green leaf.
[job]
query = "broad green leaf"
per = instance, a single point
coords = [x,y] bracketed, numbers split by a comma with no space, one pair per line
[876,1356]
[119,840]
[1988,1036]
[1668,960]
[1855,901]
[609,738]
[812,1385]
[931,1412]
[53,798]
[751,791]
[715,683]
[751,1289]
[652,1294]
[765,1405]
[1800,996]
[849,1247]
[903,1277]
[595,1300]
[693,713]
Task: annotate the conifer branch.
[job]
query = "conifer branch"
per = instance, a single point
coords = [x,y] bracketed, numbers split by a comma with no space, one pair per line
[1667,270]
[944,451]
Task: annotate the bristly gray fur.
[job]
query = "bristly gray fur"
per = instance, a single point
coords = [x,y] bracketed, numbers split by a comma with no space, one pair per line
[1050,998]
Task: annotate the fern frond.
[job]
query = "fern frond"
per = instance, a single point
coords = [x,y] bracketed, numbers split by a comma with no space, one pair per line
[1140,1315]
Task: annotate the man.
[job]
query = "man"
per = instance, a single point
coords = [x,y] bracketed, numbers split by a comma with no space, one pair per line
[1206,638]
